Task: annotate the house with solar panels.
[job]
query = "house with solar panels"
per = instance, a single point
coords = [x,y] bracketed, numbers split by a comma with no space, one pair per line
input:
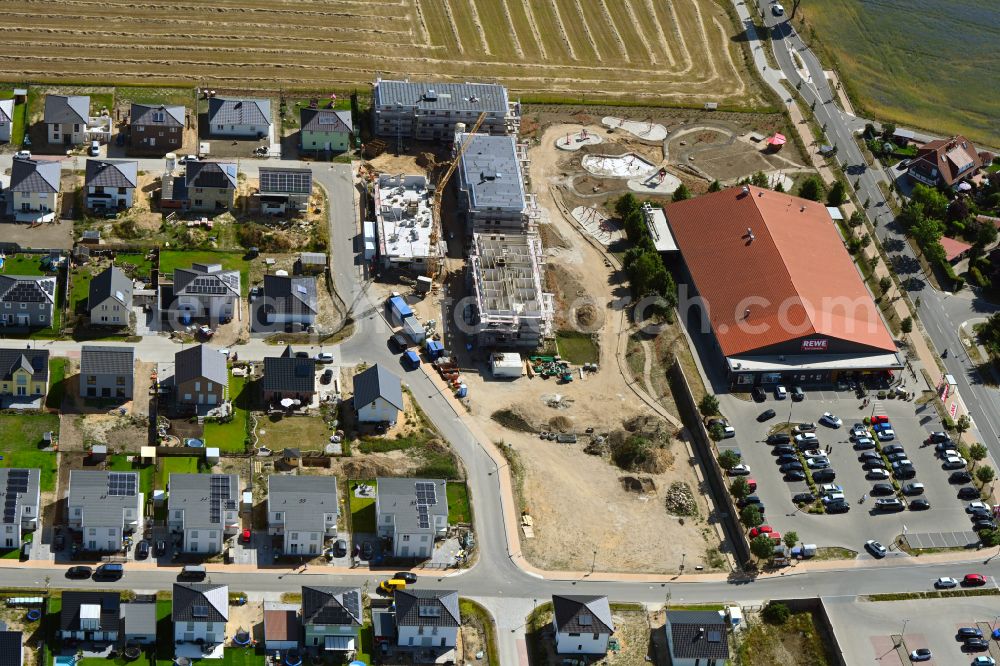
[203,291]
[246,118]
[106,372]
[104,507]
[110,184]
[325,129]
[204,508]
[582,623]
[427,619]
[697,638]
[199,612]
[288,376]
[332,617]
[302,510]
[412,513]
[283,190]
[11,648]
[286,299]
[211,186]
[109,299]
[19,492]
[27,300]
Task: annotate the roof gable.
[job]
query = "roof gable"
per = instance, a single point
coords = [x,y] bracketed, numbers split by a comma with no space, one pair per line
[112,173]
[27,289]
[200,602]
[106,360]
[67,109]
[289,374]
[224,111]
[322,605]
[697,635]
[427,608]
[584,614]
[377,382]
[143,114]
[218,175]
[35,177]
[110,283]
[325,120]
[6,110]
[293,294]
[200,361]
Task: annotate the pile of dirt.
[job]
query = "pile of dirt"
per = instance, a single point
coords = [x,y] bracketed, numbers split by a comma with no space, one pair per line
[638,484]
[512,419]
[367,468]
[550,236]
[680,500]
[587,315]
[560,424]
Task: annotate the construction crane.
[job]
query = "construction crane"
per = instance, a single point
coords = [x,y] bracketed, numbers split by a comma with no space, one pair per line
[439,193]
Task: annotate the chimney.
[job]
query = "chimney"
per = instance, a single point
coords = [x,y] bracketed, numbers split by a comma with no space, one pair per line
[746,189]
[802,210]
[701,632]
[746,313]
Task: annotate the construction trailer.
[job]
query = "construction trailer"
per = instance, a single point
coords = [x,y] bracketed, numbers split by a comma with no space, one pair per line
[511,308]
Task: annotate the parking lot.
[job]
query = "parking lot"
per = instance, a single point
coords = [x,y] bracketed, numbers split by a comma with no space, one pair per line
[873,632]
[944,524]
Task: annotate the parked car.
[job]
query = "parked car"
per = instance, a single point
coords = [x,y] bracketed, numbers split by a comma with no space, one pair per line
[876,463]
[838,507]
[896,457]
[892,449]
[947,453]
[818,463]
[795,475]
[786,459]
[961,476]
[920,504]
[407,576]
[188,158]
[95,148]
[761,529]
[824,475]
[780,393]
[808,438]
[748,500]
[831,420]
[833,498]
[805,427]
[324,357]
[831,488]
[878,419]
[739,470]
[245,536]
[904,473]
[783,450]
[974,580]
[877,474]
[766,415]
[983,660]
[901,463]
[967,492]
[913,488]
[984,524]
[797,394]
[968,632]
[142,550]
[778,438]
[939,437]
[367,550]
[803,498]
[778,10]
[340,548]
[883,490]
[875,548]
[885,434]
[109,571]
[326,377]
[954,462]
[889,504]
[859,430]
[813,453]
[976,645]
[863,444]
[945,583]
[921,654]
[160,548]
[868,455]
[758,394]
[79,572]
[944,446]
[23,155]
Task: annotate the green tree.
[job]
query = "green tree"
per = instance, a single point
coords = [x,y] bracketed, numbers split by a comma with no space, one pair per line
[626,204]
[985,474]
[681,193]
[776,613]
[717,431]
[888,129]
[791,538]
[779,186]
[962,424]
[750,516]
[990,538]
[759,179]
[811,188]
[762,547]
[885,283]
[739,488]
[632,453]
[728,459]
[837,194]
[716,186]
[635,226]
[906,326]
[978,453]
[855,220]
[989,334]
[986,235]
[935,253]
[926,230]
[708,405]
[647,274]
[931,202]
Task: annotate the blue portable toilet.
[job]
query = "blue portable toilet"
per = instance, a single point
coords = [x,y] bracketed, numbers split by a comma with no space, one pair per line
[434,349]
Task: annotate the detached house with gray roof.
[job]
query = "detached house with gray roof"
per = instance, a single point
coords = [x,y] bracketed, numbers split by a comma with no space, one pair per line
[101,617]
[696,638]
[199,612]
[378,395]
[302,510]
[109,300]
[288,376]
[27,301]
[286,299]
[325,129]
[24,372]
[283,189]
[412,513]
[249,118]
[582,623]
[34,189]
[204,508]
[11,647]
[156,128]
[104,507]
[427,618]
[203,187]
[203,291]
[106,372]
[201,376]
[110,184]
[21,498]
[66,117]
[332,617]
[6,119]
[429,111]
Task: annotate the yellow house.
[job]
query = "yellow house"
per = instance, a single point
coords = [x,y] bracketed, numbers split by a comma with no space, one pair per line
[24,372]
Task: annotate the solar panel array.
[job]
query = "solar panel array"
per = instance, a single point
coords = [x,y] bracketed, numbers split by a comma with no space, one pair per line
[121,484]
[426,496]
[199,611]
[280,180]
[423,519]
[206,285]
[219,494]
[429,611]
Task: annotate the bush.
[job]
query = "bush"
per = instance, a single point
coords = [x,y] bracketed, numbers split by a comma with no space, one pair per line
[762,547]
[978,278]
[906,326]
[811,188]
[750,516]
[739,488]
[709,405]
[630,453]
[776,613]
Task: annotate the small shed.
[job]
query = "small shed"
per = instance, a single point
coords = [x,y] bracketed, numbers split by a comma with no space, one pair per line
[414,330]
[312,262]
[212,455]
[424,284]
[507,364]
[247,500]
[98,452]
[398,310]
[954,250]
[291,456]
[147,455]
[835,213]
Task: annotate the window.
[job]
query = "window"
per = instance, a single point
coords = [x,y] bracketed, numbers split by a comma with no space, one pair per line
[295,536]
[406,537]
[91,379]
[24,306]
[120,380]
[220,127]
[194,534]
[111,532]
[41,318]
[121,190]
[92,532]
[139,128]
[158,117]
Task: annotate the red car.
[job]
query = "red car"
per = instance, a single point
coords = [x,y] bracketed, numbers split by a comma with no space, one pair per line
[880,418]
[763,529]
[245,537]
[775,535]
[752,485]
[974,580]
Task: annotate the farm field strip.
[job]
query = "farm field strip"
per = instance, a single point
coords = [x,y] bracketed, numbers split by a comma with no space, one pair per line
[638,49]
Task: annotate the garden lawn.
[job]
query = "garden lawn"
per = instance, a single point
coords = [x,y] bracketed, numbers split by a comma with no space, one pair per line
[175,465]
[155,95]
[237,656]
[21,441]
[142,265]
[231,436]
[367,636]
[459,510]
[305,432]
[174,259]
[79,289]
[362,508]
[57,383]
[23,264]
[577,348]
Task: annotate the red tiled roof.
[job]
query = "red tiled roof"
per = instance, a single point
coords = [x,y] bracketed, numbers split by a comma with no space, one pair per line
[948,156]
[795,269]
[953,248]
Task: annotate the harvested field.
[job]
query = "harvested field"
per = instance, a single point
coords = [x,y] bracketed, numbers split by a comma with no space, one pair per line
[555,49]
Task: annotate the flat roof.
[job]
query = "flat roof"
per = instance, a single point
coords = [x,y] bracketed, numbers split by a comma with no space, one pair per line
[659,230]
[490,170]
[404,217]
[772,268]
[814,362]
[489,97]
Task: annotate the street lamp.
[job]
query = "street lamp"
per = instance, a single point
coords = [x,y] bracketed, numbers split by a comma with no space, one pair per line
[683,555]
[593,564]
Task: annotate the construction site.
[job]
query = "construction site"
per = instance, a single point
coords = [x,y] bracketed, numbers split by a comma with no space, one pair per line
[404,222]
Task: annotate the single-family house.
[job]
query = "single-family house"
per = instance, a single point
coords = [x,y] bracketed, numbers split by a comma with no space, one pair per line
[19,493]
[331,617]
[109,299]
[427,618]
[106,371]
[325,129]
[696,638]
[283,190]
[11,648]
[90,616]
[239,117]
[303,510]
[34,188]
[156,128]
[24,372]
[210,186]
[582,623]
[378,395]
[286,299]
[954,249]
[27,301]
[946,162]
[412,513]
[282,627]
[104,507]
[6,119]
[138,623]
[200,612]
[288,376]
[200,376]
[66,117]
[205,509]
[110,184]
[205,291]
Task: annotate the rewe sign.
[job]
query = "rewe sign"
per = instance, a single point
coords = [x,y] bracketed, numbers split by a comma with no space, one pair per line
[814,345]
